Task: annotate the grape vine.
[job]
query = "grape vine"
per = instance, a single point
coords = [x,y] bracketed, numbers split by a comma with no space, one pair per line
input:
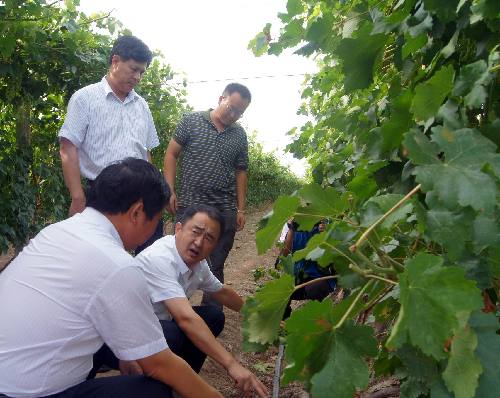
[404,156]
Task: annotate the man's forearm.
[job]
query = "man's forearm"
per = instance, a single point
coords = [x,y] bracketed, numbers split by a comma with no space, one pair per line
[228,298]
[201,336]
[169,170]
[172,370]
[71,169]
[241,189]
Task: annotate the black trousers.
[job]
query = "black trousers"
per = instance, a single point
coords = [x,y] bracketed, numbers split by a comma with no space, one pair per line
[117,387]
[219,255]
[177,341]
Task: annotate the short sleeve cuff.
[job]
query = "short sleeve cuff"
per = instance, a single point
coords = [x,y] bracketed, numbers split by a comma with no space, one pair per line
[71,137]
[214,287]
[159,297]
[142,351]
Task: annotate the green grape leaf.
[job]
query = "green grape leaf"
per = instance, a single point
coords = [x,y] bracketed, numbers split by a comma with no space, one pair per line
[358,57]
[471,83]
[413,44]
[345,370]
[471,75]
[418,365]
[420,149]
[294,7]
[393,130]
[451,230]
[430,94]
[284,208]
[448,113]
[449,49]
[413,388]
[431,296]
[446,10]
[486,327]
[260,43]
[267,308]
[309,330]
[322,203]
[247,346]
[463,369]
[486,231]
[377,206]
[459,179]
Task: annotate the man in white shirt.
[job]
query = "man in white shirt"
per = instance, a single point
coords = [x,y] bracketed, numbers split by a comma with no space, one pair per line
[75,288]
[107,122]
[174,267]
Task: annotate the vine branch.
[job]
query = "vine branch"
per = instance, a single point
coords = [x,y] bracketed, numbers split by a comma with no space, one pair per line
[365,234]
[313,281]
[353,304]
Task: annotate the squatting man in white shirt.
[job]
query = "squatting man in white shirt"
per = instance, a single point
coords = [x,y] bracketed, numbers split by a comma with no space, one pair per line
[174,267]
[74,288]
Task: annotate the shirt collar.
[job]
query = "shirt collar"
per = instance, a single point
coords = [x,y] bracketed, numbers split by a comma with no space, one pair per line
[132,95]
[206,116]
[96,217]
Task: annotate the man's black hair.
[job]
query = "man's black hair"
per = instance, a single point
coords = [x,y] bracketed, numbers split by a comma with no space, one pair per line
[122,184]
[242,90]
[130,47]
[210,211]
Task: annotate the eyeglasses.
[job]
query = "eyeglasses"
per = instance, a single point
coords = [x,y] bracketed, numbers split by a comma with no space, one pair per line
[233,111]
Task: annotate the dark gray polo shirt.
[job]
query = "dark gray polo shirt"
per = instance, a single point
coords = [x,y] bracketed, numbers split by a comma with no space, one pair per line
[208,161]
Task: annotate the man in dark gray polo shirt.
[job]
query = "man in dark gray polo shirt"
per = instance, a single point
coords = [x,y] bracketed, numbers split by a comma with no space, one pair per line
[213,165]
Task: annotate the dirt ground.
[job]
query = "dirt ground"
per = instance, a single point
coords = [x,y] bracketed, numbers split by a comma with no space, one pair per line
[238,273]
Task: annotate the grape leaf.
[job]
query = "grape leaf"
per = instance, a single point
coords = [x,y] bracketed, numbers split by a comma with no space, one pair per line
[420,149]
[451,230]
[294,7]
[486,327]
[322,203]
[377,206]
[412,44]
[392,131]
[459,179]
[309,330]
[358,57]
[345,369]
[430,94]
[431,296]
[463,369]
[284,208]
[267,308]
[250,304]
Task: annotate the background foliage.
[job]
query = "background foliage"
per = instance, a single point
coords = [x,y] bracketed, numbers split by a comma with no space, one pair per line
[267,178]
[404,151]
[48,50]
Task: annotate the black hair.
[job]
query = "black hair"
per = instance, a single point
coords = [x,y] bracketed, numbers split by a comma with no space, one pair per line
[210,211]
[242,90]
[130,47]
[122,184]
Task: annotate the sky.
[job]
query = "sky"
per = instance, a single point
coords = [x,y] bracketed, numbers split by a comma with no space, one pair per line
[206,42]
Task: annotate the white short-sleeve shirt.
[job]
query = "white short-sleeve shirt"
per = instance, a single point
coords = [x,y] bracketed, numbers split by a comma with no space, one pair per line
[168,276]
[105,129]
[71,289]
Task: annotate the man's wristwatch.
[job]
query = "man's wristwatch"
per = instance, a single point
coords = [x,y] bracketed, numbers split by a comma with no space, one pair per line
[240,211]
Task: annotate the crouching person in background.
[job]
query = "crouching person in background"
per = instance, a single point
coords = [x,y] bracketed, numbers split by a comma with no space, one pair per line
[75,290]
[176,266]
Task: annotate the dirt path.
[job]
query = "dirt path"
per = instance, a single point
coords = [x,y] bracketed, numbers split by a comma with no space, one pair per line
[239,268]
